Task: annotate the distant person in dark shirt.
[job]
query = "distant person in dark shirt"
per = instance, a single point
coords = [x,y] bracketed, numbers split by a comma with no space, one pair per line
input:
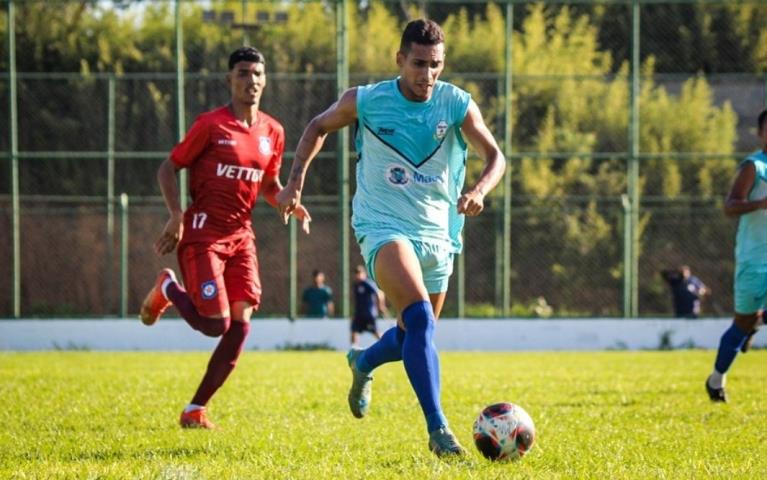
[368,304]
[318,299]
[686,290]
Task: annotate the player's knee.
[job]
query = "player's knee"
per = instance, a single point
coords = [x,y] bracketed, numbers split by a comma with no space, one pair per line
[239,329]
[418,317]
[237,333]
[746,323]
[217,326]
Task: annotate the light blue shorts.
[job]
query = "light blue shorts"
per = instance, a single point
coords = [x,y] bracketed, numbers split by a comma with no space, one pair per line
[750,288]
[436,260]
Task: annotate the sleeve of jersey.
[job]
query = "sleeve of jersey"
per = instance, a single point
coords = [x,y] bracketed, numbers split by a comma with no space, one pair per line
[361,103]
[279,149]
[193,145]
[761,169]
[461,101]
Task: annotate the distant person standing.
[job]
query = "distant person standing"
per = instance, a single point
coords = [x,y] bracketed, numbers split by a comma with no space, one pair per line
[368,304]
[317,300]
[747,200]
[686,290]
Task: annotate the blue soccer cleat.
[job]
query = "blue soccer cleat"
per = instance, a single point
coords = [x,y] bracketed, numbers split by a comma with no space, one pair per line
[443,443]
[361,391]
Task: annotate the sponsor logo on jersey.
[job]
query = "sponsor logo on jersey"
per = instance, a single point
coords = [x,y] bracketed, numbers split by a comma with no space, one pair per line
[209,289]
[265,145]
[427,179]
[235,172]
[441,130]
[226,141]
[397,175]
[385,131]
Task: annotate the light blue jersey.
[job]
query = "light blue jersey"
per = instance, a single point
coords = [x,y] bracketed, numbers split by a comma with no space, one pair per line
[750,286]
[412,164]
[751,240]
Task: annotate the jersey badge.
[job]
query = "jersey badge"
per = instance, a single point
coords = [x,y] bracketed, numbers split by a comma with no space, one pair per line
[209,289]
[397,175]
[441,130]
[265,145]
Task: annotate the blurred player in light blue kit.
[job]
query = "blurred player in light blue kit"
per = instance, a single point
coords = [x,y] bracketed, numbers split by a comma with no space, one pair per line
[747,200]
[409,209]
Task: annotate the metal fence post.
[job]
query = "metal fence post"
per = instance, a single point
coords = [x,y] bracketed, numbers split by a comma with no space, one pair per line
[110,190]
[124,255]
[507,139]
[180,102]
[631,250]
[342,153]
[13,133]
[292,268]
[461,285]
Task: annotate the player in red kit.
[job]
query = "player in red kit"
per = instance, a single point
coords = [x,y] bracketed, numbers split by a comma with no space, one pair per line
[232,153]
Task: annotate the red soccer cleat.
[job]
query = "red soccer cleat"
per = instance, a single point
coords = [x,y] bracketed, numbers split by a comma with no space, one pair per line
[155,302]
[196,419]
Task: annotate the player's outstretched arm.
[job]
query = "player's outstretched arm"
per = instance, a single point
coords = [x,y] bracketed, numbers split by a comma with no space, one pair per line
[737,202]
[476,132]
[270,187]
[174,228]
[342,113]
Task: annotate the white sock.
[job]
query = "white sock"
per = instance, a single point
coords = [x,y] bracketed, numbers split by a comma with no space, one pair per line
[192,407]
[164,287]
[717,380]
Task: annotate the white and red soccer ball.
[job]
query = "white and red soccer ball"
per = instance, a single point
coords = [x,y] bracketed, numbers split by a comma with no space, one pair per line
[504,431]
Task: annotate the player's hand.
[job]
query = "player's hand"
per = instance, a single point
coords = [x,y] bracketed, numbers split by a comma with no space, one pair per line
[288,199]
[171,235]
[471,203]
[302,214]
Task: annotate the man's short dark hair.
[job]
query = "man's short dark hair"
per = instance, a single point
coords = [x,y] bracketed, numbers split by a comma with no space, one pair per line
[422,32]
[246,54]
[761,120]
[315,273]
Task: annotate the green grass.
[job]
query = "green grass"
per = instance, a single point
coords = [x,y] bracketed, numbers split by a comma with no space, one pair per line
[284,415]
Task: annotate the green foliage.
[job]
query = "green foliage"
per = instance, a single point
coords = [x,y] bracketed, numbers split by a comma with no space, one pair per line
[285,415]
[570,110]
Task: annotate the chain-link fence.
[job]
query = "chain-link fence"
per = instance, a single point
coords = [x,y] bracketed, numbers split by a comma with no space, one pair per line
[627,121]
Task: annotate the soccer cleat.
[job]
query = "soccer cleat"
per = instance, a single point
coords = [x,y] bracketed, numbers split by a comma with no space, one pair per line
[716,394]
[361,391]
[442,442]
[155,302]
[196,419]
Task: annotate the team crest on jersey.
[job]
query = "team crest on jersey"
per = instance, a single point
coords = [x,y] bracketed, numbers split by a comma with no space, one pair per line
[397,175]
[441,130]
[209,289]
[265,145]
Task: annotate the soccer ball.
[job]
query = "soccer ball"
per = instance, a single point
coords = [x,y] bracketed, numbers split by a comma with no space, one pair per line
[504,431]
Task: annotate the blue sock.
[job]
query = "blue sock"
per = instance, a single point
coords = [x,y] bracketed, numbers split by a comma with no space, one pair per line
[729,346]
[387,349]
[422,362]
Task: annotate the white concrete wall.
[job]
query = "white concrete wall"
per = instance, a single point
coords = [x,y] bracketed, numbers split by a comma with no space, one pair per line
[452,334]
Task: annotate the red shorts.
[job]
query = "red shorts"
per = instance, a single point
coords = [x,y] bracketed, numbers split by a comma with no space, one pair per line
[219,274]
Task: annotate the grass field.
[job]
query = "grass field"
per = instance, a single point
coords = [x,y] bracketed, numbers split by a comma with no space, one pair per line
[284,415]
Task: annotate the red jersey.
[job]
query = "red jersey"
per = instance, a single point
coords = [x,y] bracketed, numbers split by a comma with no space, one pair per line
[226,162]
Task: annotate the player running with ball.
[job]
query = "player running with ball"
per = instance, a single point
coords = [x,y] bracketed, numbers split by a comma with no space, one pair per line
[408,210]
[232,153]
[747,200]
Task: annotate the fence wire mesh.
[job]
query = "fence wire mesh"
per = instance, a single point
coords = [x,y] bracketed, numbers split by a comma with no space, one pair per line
[98,110]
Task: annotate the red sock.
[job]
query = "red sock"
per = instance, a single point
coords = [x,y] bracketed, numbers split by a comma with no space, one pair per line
[222,361]
[212,327]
